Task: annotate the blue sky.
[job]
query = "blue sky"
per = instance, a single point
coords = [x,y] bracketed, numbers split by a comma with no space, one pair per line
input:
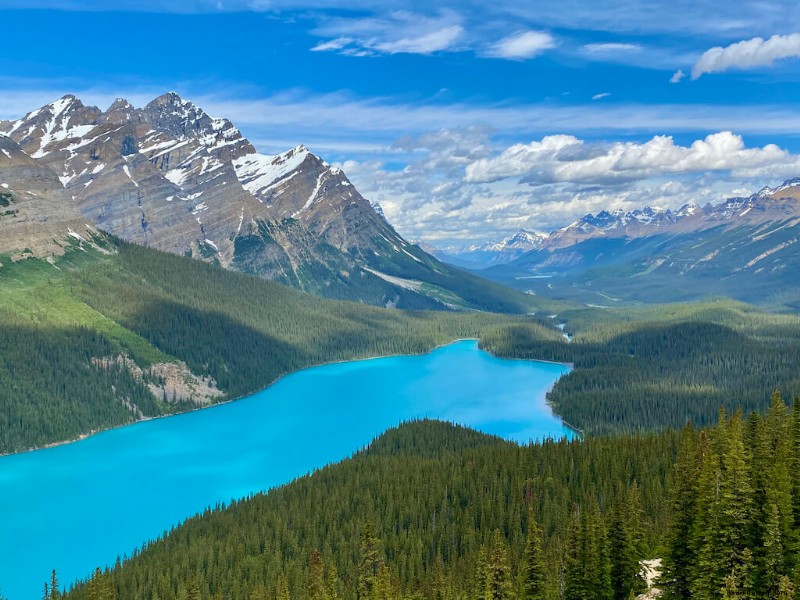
[466,120]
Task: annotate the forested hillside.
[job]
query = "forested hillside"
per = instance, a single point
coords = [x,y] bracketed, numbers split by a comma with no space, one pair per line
[660,366]
[429,510]
[432,510]
[736,509]
[96,338]
[109,334]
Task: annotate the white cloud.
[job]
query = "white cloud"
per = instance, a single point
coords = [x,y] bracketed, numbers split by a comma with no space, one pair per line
[386,119]
[419,160]
[335,44]
[677,76]
[525,44]
[565,158]
[456,211]
[601,96]
[395,33]
[434,198]
[435,41]
[748,54]
[611,48]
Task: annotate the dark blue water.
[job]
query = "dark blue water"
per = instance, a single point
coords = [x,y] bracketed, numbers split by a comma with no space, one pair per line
[77,506]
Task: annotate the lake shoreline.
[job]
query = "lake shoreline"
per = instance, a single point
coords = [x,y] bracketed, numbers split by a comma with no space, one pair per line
[128,487]
[95,432]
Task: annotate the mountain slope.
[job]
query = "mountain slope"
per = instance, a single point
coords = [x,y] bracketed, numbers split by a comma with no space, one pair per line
[744,248]
[170,177]
[109,333]
[37,217]
[427,500]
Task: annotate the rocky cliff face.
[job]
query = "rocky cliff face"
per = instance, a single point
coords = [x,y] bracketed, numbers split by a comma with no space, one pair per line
[171,177]
[37,215]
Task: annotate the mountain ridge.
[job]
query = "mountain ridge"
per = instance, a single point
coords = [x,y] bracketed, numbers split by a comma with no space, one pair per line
[742,247]
[476,256]
[171,177]
[623,223]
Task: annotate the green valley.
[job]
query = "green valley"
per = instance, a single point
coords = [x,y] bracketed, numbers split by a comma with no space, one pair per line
[89,335]
[86,337]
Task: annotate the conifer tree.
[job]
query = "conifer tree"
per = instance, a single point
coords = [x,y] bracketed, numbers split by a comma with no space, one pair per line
[282,588]
[785,589]
[55,592]
[370,563]
[706,577]
[773,568]
[100,587]
[779,481]
[332,583]
[316,577]
[795,436]
[624,555]
[533,569]
[384,587]
[587,572]
[480,575]
[498,571]
[192,589]
[725,500]
[601,561]
[680,558]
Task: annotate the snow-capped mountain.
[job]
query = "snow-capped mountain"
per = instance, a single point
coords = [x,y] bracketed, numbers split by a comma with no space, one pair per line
[522,241]
[742,247]
[171,177]
[477,256]
[617,223]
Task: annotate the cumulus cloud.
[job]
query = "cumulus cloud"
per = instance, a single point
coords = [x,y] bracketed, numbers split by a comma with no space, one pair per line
[525,44]
[454,189]
[565,158]
[429,183]
[395,33]
[748,54]
[677,76]
[449,150]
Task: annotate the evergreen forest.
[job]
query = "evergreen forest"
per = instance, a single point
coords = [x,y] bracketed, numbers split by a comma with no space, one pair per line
[434,510]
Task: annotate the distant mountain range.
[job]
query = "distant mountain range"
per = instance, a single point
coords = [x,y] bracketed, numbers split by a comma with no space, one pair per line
[477,256]
[744,248]
[171,177]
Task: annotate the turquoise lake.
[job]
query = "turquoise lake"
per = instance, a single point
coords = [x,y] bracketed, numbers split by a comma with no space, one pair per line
[80,505]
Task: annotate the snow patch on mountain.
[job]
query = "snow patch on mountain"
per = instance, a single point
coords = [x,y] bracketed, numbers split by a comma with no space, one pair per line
[259,173]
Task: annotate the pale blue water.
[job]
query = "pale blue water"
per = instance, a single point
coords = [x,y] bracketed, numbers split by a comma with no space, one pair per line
[77,506]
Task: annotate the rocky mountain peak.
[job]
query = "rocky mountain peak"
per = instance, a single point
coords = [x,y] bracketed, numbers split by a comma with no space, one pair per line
[172,116]
[788,189]
[525,239]
[47,128]
[121,112]
[378,209]
[120,104]
[170,100]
